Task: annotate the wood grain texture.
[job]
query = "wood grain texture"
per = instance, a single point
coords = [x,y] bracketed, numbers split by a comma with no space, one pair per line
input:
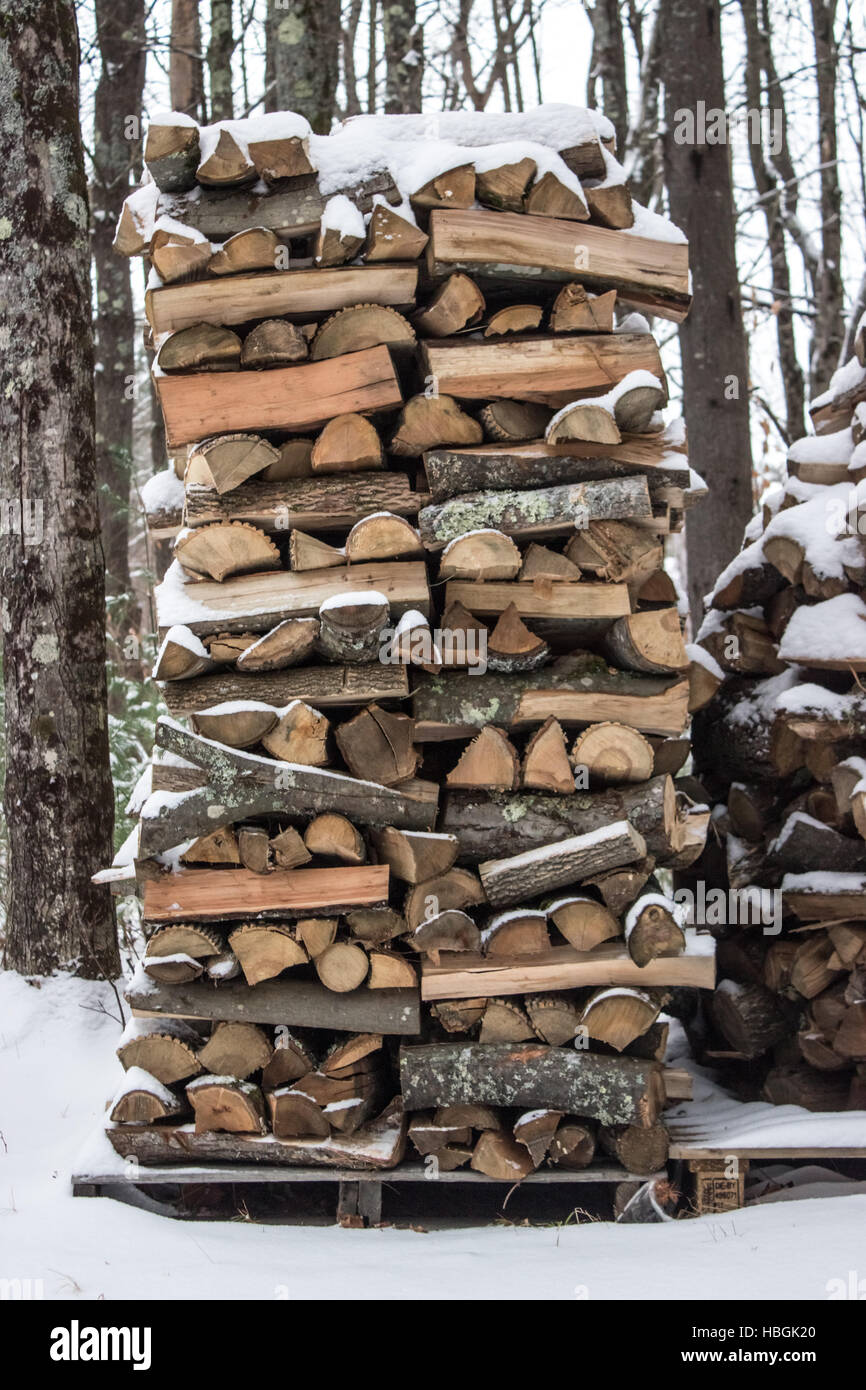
[464,976]
[232,894]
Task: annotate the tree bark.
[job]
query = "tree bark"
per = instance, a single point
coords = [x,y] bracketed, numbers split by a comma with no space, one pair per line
[186,80]
[304,39]
[712,342]
[219,60]
[404,63]
[829,321]
[116,151]
[58,781]
[607,63]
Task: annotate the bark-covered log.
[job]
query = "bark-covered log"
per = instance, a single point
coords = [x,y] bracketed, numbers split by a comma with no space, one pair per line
[499,824]
[321,686]
[543,512]
[496,466]
[614,1090]
[547,866]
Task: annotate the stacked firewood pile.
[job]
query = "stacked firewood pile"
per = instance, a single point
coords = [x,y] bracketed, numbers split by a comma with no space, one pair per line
[426,683]
[780,750]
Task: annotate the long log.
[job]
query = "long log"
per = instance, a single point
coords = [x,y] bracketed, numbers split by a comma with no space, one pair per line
[290,212]
[496,466]
[501,824]
[242,785]
[550,371]
[322,503]
[320,686]
[257,602]
[614,1090]
[286,398]
[235,894]
[547,866]
[578,689]
[543,512]
[297,295]
[298,1003]
[507,247]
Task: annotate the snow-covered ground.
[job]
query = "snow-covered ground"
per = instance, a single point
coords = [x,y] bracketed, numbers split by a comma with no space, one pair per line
[57,1066]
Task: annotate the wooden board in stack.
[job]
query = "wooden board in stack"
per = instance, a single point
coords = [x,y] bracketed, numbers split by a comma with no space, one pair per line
[426,685]
[780,750]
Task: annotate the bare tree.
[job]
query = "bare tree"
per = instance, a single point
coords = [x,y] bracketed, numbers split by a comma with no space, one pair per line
[58,796]
[712,340]
[757,69]
[607,66]
[116,152]
[304,41]
[185,75]
[829,319]
[219,60]
[404,60]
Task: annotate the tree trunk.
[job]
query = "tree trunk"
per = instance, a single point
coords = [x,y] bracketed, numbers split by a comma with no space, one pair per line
[404,63]
[57,771]
[304,38]
[219,60]
[829,322]
[116,150]
[608,64]
[186,80]
[756,70]
[712,341]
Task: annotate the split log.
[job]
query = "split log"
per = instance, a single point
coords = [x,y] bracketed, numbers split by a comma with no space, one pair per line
[225,549]
[490,761]
[254,848]
[501,1157]
[390,971]
[382,536]
[295,461]
[614,1090]
[619,1015]
[274,343]
[220,847]
[164,1048]
[181,656]
[377,738]
[749,1017]
[573,1145]
[316,934]
[639,1148]
[350,626]
[457,888]
[516,318]
[300,736]
[512,647]
[392,237]
[362,326]
[184,938]
[583,921]
[265,949]
[176,257]
[225,461]
[373,926]
[227,163]
[288,644]
[453,188]
[430,1138]
[609,204]
[142,1100]
[540,562]
[613,753]
[549,196]
[429,422]
[620,887]
[171,153]
[505,186]
[296,1115]
[512,422]
[221,1103]
[505,1021]
[520,932]
[509,247]
[650,642]
[202,347]
[575,310]
[544,512]
[555,1018]
[553,865]
[500,824]
[414,857]
[237,726]
[455,304]
[335,245]
[448,930]
[545,762]
[255,248]
[172,970]
[335,836]
[286,398]
[584,420]
[652,929]
[618,552]
[289,850]
[309,553]
[459,1015]
[347,444]
[236,1049]
[480,555]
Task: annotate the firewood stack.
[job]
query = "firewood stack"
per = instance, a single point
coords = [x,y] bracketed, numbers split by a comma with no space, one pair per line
[780,748]
[424,671]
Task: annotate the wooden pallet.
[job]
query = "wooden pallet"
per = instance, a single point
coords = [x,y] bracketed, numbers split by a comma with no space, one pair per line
[359,1193]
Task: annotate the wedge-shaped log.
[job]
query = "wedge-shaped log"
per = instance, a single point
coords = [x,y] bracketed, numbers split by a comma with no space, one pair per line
[223,550]
[508,246]
[286,398]
[615,1090]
